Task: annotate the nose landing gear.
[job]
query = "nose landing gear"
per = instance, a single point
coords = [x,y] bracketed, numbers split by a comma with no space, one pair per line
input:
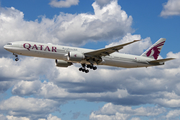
[16,59]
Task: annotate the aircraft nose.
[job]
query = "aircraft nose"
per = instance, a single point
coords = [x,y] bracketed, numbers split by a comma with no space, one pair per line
[5,47]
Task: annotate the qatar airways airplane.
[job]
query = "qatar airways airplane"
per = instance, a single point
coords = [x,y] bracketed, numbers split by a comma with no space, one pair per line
[65,56]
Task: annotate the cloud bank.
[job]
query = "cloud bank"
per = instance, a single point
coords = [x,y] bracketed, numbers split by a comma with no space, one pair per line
[171,8]
[120,88]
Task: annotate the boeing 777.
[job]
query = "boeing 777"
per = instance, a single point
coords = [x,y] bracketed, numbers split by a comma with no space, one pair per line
[65,56]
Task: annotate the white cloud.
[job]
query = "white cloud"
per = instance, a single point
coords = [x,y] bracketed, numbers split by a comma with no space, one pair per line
[30,107]
[51,117]
[118,112]
[51,91]
[26,87]
[173,114]
[117,116]
[63,3]
[11,117]
[136,118]
[14,27]
[171,8]
[172,102]
[16,118]
[110,109]
[28,68]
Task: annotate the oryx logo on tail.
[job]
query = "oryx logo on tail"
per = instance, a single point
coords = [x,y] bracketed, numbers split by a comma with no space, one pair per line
[155,49]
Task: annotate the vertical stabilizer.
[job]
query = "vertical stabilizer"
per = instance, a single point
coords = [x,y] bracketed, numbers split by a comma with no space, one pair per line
[154,51]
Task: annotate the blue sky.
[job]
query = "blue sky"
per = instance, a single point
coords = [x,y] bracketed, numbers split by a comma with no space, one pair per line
[35,89]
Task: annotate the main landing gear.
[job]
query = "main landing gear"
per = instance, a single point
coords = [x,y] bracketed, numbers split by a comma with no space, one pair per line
[83,68]
[16,59]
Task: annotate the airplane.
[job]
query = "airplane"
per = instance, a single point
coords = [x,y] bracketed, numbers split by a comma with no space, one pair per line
[65,56]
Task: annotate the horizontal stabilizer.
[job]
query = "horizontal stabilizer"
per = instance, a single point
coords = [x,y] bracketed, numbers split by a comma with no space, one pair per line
[160,60]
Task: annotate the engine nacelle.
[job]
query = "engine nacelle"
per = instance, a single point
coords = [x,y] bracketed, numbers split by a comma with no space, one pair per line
[62,63]
[75,56]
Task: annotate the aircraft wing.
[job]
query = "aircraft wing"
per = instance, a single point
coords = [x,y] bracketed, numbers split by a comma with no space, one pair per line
[107,51]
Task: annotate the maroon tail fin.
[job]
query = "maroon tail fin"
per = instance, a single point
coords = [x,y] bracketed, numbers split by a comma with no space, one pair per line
[154,51]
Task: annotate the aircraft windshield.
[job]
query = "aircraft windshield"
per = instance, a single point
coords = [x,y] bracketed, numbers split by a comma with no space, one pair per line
[9,43]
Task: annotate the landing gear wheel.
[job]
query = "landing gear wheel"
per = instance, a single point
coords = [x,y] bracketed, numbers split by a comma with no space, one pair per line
[80,69]
[16,59]
[83,65]
[91,67]
[94,68]
[83,70]
[86,71]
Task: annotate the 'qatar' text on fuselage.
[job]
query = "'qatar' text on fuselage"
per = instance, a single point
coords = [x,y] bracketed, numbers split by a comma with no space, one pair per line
[39,47]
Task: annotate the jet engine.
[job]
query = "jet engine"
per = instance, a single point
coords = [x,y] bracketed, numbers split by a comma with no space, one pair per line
[62,63]
[75,56]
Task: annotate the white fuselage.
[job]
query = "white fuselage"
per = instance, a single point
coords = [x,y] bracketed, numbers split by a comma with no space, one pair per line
[60,52]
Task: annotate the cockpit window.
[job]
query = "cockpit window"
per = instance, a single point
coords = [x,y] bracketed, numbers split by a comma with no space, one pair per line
[9,43]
